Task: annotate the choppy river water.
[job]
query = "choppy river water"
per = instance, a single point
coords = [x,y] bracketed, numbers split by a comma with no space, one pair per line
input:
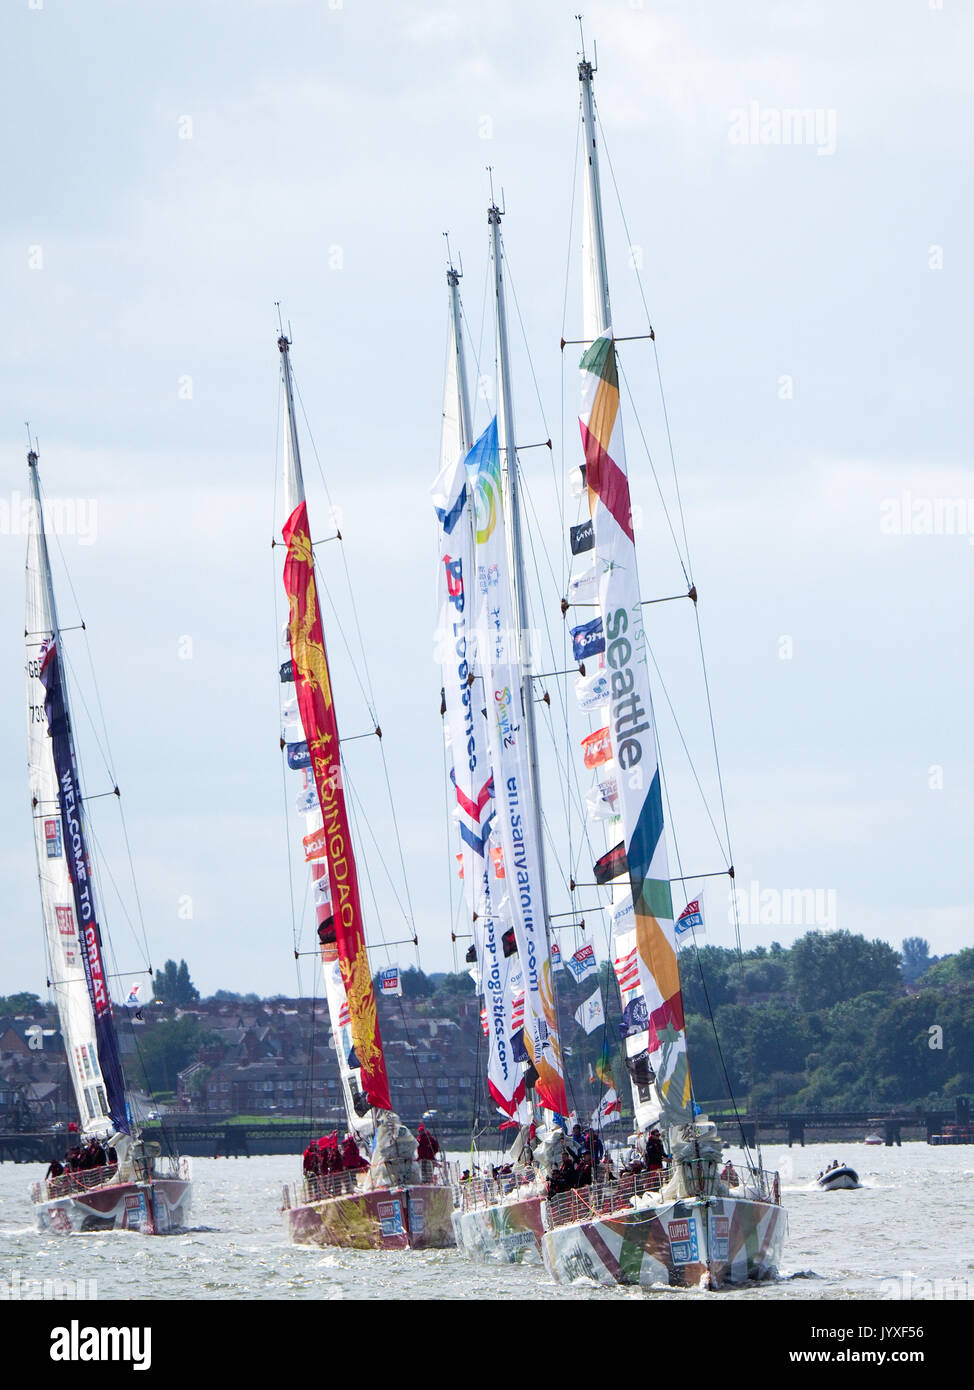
[906,1234]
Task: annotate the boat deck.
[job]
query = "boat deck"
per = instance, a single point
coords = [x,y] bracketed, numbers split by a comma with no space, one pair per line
[81,1180]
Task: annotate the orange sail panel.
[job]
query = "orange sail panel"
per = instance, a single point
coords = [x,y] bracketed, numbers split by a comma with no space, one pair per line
[313,687]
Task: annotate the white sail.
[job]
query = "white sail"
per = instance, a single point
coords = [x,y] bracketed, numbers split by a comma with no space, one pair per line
[64,947]
[463,694]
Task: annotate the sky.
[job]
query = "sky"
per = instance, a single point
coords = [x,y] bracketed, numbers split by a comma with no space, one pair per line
[173,170]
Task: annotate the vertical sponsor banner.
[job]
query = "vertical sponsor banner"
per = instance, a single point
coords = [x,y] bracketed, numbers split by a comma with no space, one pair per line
[500,663]
[630,724]
[472,777]
[313,688]
[76,850]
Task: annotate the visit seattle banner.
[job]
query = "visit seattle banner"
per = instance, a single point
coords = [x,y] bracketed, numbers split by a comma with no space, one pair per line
[473,783]
[313,687]
[630,723]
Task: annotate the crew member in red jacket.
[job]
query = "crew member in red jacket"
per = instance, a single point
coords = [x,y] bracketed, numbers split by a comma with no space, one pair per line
[426,1150]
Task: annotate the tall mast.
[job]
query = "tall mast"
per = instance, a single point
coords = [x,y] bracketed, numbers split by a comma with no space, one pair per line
[456,349]
[630,717]
[508,445]
[50,623]
[598,316]
[293,478]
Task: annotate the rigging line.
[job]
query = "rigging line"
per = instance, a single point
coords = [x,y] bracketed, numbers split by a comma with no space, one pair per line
[359,810]
[275,609]
[682,880]
[720,1053]
[77,693]
[97,866]
[336,622]
[665,786]
[659,374]
[720,780]
[348,577]
[395,826]
[474,351]
[527,346]
[284,781]
[571,219]
[382,944]
[652,469]
[724,849]
[561,482]
[109,760]
[478,396]
[454,914]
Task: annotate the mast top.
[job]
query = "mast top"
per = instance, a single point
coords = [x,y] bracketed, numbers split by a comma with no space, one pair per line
[453,275]
[585,66]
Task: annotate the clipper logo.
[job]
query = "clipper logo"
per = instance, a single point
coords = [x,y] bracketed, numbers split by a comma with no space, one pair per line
[76,1343]
[52,839]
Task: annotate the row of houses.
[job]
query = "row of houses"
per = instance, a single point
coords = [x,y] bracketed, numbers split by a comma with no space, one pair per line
[282,1062]
[271,1058]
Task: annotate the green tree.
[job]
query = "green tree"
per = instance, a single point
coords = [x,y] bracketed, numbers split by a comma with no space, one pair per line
[708,972]
[169,1047]
[452,987]
[172,985]
[916,958]
[826,967]
[764,977]
[952,971]
[23,1003]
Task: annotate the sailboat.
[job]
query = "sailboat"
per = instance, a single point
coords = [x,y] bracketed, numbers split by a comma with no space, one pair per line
[684,1219]
[139,1189]
[392,1200]
[488,709]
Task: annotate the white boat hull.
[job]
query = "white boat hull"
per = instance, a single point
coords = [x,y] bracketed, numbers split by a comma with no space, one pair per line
[504,1233]
[154,1208]
[702,1242]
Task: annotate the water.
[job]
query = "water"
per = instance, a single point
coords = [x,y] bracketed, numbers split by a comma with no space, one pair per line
[905,1234]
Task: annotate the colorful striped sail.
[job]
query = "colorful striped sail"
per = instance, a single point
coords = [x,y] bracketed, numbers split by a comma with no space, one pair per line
[630,726]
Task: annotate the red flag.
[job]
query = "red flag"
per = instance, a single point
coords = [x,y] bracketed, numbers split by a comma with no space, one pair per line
[597,748]
[313,686]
